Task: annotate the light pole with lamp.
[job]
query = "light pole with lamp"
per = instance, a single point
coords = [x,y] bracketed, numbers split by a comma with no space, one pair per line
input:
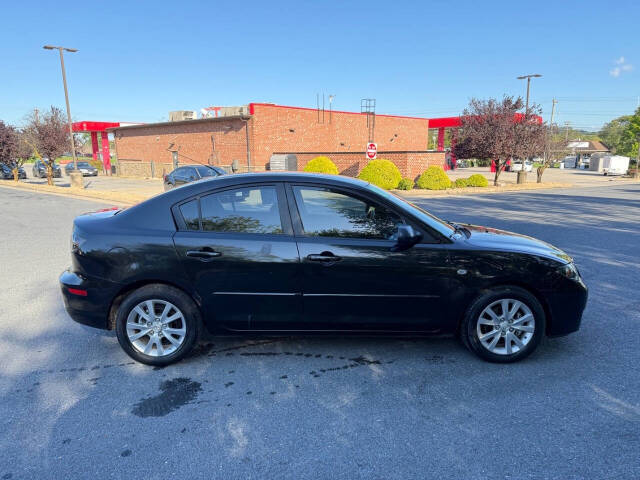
[76,176]
[522,175]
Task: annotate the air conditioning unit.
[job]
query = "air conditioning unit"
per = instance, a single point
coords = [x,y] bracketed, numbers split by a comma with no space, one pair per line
[242,111]
[180,115]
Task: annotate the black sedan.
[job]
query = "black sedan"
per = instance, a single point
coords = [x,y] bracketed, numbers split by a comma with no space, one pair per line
[40,169]
[6,172]
[310,253]
[190,173]
[85,168]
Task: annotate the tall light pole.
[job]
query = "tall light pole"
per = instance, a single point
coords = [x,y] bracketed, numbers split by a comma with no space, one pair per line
[66,97]
[528,77]
[522,175]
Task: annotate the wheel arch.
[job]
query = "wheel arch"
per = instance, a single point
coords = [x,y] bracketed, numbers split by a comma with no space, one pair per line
[127,289]
[523,285]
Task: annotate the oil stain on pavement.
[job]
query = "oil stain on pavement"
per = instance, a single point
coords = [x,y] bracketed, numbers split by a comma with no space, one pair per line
[174,394]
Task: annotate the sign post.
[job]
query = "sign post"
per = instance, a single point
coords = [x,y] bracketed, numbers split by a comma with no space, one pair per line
[372,150]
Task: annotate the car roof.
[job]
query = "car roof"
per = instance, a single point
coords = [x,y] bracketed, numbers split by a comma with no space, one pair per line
[155,212]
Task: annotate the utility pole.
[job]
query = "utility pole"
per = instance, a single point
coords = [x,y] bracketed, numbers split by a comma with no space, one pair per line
[35,115]
[553,109]
[548,152]
[66,97]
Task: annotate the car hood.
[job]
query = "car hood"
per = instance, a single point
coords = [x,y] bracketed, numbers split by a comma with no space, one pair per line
[494,239]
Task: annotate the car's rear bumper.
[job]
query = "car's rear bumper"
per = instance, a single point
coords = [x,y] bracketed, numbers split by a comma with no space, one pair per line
[566,309]
[87,300]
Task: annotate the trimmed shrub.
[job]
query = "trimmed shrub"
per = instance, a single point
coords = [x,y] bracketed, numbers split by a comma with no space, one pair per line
[382,173]
[461,183]
[434,178]
[405,184]
[477,180]
[321,165]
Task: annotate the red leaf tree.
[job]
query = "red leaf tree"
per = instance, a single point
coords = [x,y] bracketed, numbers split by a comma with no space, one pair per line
[50,137]
[8,143]
[493,130]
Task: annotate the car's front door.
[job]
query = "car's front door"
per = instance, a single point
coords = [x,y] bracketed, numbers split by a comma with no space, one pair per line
[237,246]
[352,280]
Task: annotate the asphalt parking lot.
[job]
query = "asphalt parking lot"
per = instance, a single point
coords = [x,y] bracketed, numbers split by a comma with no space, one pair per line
[73,405]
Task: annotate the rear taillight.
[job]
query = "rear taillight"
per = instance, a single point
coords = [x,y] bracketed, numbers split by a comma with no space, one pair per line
[77,291]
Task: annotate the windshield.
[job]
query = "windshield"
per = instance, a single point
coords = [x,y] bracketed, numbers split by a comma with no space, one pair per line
[434,222]
[83,164]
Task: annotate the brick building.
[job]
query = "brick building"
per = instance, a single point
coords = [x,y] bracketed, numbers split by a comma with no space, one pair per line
[252,137]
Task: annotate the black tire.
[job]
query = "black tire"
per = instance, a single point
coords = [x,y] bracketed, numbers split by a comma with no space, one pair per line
[468,328]
[191,314]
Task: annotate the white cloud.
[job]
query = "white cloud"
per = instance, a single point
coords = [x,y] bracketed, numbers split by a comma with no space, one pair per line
[621,66]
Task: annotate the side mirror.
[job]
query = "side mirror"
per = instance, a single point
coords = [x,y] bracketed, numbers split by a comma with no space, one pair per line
[406,237]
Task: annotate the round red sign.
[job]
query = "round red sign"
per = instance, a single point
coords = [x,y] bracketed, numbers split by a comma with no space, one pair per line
[372,151]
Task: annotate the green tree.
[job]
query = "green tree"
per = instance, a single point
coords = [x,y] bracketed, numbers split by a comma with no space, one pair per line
[631,136]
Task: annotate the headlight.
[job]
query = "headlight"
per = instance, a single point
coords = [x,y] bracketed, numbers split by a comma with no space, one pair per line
[570,271]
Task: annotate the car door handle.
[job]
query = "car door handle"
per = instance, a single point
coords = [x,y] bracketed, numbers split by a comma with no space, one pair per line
[203,254]
[324,257]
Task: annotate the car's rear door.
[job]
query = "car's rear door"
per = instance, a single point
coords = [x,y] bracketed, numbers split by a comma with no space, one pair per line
[351,278]
[237,246]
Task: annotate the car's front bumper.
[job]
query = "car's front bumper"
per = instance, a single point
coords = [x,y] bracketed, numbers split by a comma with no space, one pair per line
[566,307]
[87,300]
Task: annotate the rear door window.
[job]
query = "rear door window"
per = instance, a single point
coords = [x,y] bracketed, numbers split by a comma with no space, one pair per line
[242,210]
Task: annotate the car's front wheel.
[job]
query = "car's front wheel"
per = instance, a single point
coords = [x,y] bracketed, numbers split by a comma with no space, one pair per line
[504,325]
[157,324]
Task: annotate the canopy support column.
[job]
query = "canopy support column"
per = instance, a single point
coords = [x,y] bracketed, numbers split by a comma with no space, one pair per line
[106,156]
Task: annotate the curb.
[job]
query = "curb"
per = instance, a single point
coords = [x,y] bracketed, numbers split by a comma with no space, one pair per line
[97,196]
[456,192]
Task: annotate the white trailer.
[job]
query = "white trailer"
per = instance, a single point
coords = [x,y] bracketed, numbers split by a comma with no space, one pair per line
[615,164]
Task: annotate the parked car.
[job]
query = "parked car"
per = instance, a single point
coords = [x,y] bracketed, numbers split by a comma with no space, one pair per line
[190,173]
[516,166]
[85,168]
[305,253]
[40,169]
[6,172]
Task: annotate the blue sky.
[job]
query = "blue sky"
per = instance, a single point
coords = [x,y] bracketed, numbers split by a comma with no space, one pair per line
[139,60]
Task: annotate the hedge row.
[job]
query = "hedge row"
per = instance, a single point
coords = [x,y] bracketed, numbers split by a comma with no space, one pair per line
[385,174]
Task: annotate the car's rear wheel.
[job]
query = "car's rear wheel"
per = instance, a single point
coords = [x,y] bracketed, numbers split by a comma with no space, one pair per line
[504,325]
[157,324]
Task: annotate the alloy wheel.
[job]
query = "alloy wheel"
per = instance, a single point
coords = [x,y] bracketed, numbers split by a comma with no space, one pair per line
[156,328]
[505,326]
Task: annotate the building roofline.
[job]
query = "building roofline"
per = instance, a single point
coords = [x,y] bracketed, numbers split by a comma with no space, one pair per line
[251,105]
[180,122]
